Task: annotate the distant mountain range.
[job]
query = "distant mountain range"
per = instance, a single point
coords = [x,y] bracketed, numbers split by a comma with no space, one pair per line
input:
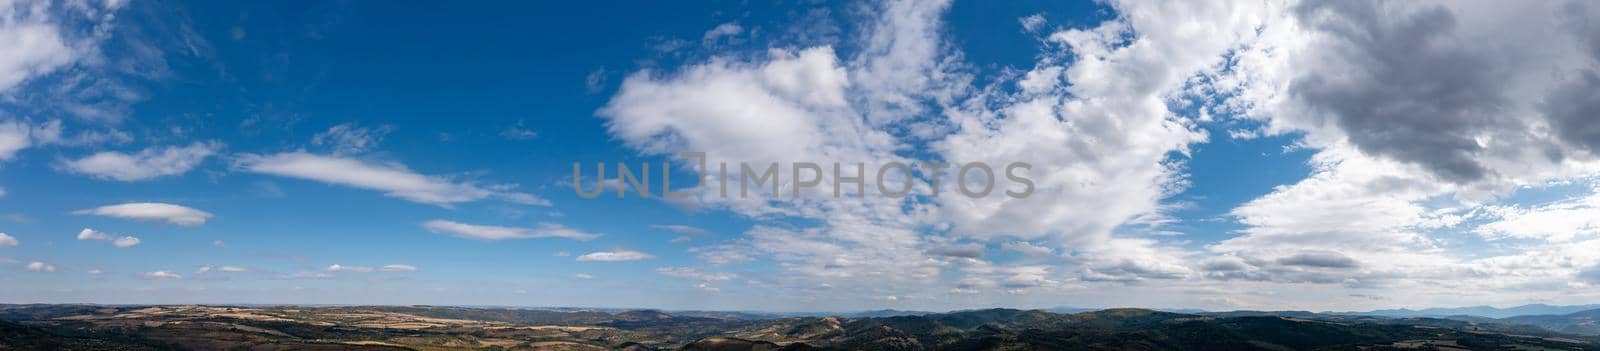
[1581,323]
[1480,311]
[1473,311]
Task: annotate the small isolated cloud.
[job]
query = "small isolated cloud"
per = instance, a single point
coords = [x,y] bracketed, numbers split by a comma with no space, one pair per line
[219,244]
[150,163]
[583,276]
[161,275]
[349,139]
[398,268]
[95,272]
[686,232]
[40,267]
[614,256]
[1032,23]
[341,268]
[488,232]
[232,269]
[518,132]
[267,189]
[118,241]
[91,234]
[723,30]
[6,240]
[151,211]
[706,287]
[596,80]
[125,242]
[394,180]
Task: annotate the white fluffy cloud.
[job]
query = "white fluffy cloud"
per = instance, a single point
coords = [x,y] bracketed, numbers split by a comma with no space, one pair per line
[151,211]
[150,163]
[797,105]
[120,242]
[1099,131]
[1438,85]
[54,64]
[7,240]
[41,267]
[614,256]
[1422,115]
[91,234]
[1560,221]
[16,135]
[392,179]
[487,232]
[125,242]
[36,45]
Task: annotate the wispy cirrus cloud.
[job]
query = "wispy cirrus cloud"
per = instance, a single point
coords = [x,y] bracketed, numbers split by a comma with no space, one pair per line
[393,179]
[342,268]
[398,268]
[614,256]
[681,229]
[304,276]
[147,164]
[350,139]
[161,275]
[489,232]
[335,268]
[694,274]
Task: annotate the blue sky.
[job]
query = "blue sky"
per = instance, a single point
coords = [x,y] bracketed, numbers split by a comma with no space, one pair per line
[1221,156]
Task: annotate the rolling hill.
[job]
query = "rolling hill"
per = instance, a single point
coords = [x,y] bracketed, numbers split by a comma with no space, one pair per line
[188,327]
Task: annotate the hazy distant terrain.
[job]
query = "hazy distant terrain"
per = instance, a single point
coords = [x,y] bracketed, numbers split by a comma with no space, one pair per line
[89,327]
